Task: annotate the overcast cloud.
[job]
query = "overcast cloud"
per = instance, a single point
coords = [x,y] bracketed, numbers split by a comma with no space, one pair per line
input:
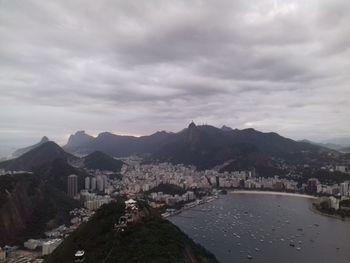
[135,67]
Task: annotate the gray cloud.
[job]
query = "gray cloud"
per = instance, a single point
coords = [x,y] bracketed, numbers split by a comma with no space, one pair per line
[135,67]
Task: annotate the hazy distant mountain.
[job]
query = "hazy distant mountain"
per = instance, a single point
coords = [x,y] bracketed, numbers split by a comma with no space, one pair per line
[21,151]
[345,150]
[331,146]
[116,145]
[77,142]
[102,161]
[226,128]
[204,146]
[44,153]
[342,141]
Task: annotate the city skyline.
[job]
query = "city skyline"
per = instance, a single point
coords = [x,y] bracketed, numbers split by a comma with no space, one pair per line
[135,68]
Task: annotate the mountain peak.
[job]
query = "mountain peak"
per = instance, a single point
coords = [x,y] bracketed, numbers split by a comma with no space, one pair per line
[192,125]
[44,139]
[42,154]
[24,150]
[77,140]
[226,128]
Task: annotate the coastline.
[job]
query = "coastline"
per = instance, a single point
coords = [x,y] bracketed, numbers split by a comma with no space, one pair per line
[316,211]
[271,193]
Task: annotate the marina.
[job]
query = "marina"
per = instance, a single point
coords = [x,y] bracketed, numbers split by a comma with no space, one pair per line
[266,228]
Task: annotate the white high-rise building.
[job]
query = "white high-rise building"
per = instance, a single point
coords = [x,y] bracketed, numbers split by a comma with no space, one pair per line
[100,183]
[50,246]
[87,183]
[344,188]
[93,183]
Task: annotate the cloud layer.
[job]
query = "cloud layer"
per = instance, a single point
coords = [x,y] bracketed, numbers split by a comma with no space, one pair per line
[134,67]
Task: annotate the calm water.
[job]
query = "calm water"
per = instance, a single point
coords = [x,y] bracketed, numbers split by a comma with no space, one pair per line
[263,226]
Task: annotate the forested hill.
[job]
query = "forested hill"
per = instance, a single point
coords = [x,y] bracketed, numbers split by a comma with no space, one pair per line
[152,240]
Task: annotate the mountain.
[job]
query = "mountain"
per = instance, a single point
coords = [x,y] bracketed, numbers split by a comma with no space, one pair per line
[226,128]
[102,161]
[331,146]
[345,150]
[76,142]
[342,141]
[116,145]
[44,153]
[31,203]
[205,146]
[29,206]
[21,151]
[56,172]
[151,239]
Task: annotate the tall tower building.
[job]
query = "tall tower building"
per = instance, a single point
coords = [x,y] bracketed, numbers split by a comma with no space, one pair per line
[100,183]
[93,183]
[87,183]
[72,185]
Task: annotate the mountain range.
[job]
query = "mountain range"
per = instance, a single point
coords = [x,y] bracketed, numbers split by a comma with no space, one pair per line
[204,146]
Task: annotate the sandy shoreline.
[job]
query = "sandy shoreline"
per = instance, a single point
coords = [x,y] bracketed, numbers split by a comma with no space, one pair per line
[271,193]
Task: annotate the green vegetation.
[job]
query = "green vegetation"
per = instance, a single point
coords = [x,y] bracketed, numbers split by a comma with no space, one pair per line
[29,206]
[101,161]
[324,176]
[150,240]
[325,208]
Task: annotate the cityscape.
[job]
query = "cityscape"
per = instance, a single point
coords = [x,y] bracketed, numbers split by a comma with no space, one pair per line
[174,131]
[193,188]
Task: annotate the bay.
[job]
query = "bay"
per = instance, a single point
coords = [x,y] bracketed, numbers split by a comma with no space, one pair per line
[266,228]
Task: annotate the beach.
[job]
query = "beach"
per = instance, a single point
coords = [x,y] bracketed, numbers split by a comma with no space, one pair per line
[271,193]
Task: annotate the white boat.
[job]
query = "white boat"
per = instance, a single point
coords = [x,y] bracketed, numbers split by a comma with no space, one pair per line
[79,256]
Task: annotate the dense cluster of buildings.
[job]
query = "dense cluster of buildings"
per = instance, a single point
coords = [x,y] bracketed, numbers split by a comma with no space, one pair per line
[341,190]
[159,197]
[93,201]
[36,248]
[99,188]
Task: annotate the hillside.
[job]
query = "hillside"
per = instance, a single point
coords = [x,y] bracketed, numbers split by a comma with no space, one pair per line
[32,202]
[43,154]
[28,206]
[56,173]
[150,240]
[101,161]
[21,151]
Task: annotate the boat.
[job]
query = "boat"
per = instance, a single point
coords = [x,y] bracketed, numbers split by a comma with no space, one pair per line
[79,256]
[249,257]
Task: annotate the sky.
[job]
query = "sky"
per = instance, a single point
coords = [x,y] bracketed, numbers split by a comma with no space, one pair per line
[135,67]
